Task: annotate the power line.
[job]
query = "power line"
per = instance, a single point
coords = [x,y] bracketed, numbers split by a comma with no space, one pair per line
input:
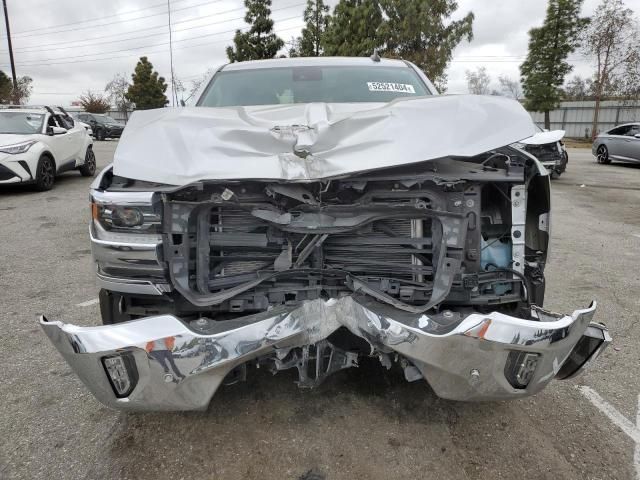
[75,42]
[140,47]
[94,19]
[122,21]
[162,44]
[76,45]
[572,60]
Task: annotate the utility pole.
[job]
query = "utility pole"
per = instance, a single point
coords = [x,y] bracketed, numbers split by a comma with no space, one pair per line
[13,65]
[174,95]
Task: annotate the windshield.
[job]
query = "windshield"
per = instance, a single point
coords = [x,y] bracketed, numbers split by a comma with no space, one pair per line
[330,84]
[21,122]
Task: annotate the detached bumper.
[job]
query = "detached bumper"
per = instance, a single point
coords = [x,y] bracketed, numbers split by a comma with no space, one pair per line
[470,357]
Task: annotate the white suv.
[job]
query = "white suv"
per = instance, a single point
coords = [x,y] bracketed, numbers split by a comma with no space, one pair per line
[36,144]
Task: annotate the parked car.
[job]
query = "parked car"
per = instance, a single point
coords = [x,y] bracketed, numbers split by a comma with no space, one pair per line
[36,144]
[86,126]
[311,211]
[103,126]
[621,143]
[548,148]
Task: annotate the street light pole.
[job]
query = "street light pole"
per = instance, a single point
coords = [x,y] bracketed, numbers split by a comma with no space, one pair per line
[13,65]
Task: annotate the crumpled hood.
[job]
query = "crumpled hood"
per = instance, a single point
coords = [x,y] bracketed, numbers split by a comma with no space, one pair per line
[542,138]
[302,142]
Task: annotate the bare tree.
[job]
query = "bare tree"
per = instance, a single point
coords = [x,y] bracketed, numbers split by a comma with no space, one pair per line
[196,84]
[613,40]
[577,88]
[23,91]
[116,91]
[510,87]
[293,47]
[478,82]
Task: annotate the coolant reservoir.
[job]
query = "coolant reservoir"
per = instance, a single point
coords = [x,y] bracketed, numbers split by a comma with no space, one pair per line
[496,253]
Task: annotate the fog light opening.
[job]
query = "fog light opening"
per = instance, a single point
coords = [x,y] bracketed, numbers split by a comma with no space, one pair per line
[520,368]
[122,373]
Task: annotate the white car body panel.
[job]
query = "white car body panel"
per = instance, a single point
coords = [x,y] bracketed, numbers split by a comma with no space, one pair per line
[542,138]
[68,150]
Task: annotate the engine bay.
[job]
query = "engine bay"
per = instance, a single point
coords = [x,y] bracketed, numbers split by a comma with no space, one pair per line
[452,233]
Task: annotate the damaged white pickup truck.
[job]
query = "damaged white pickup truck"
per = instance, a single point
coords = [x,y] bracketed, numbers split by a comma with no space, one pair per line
[308,212]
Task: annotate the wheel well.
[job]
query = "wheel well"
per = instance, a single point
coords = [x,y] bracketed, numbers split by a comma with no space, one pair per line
[48,154]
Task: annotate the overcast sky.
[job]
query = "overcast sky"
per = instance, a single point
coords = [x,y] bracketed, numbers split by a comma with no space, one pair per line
[70,46]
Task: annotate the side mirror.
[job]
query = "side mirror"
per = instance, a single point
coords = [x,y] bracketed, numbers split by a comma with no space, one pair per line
[182,103]
[56,131]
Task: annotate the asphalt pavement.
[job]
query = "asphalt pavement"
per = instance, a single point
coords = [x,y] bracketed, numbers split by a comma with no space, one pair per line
[364,423]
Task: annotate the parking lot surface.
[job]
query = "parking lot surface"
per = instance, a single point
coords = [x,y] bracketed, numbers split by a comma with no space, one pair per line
[362,423]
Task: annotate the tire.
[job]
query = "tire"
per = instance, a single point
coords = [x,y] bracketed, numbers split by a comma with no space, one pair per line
[88,168]
[45,173]
[100,135]
[602,155]
[110,308]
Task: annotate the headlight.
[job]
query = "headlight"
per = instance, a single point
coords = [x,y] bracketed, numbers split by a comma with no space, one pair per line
[125,214]
[128,217]
[18,147]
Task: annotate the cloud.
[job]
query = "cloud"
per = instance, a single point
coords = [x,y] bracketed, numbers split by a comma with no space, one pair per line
[66,55]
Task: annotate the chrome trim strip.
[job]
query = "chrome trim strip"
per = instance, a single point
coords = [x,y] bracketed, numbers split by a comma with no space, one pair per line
[136,287]
[141,259]
[123,198]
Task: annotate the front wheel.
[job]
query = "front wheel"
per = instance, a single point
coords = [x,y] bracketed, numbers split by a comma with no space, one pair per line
[45,174]
[602,155]
[88,169]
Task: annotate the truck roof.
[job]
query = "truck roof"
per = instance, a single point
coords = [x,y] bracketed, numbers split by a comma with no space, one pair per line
[314,61]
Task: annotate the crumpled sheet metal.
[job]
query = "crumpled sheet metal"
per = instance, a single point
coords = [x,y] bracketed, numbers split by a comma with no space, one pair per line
[445,356]
[542,138]
[303,142]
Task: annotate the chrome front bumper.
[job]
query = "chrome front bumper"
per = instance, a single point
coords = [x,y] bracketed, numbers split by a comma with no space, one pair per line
[466,359]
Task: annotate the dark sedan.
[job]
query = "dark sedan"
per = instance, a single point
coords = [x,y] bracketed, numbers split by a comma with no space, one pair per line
[103,126]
